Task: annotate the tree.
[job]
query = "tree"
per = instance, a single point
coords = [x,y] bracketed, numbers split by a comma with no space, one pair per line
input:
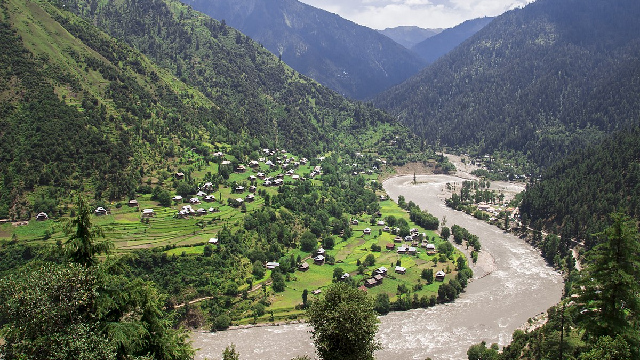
[382,304]
[164,198]
[258,270]
[337,274]
[427,274]
[230,353]
[308,242]
[370,260]
[344,324]
[81,245]
[278,281]
[445,233]
[611,284]
[481,352]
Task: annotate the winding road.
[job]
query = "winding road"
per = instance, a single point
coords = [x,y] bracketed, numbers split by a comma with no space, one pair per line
[512,283]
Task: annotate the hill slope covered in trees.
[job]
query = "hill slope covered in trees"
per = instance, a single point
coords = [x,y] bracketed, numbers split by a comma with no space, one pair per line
[543,80]
[81,108]
[351,59]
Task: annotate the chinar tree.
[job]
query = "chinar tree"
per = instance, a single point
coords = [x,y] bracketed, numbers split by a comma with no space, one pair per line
[610,285]
[344,324]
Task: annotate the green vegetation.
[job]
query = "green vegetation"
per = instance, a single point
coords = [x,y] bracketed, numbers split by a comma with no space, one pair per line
[344,324]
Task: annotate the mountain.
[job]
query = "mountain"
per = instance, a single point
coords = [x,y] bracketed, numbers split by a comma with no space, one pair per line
[435,46]
[96,112]
[542,80]
[408,36]
[351,59]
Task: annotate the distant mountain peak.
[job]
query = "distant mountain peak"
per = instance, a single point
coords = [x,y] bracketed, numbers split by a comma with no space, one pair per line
[408,36]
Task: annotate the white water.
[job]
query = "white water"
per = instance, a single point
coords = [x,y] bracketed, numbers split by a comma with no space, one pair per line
[518,285]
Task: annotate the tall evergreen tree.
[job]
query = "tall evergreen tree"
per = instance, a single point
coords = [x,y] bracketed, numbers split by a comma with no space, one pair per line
[82,246]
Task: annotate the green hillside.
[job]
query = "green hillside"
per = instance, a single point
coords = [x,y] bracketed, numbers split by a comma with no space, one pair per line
[542,80]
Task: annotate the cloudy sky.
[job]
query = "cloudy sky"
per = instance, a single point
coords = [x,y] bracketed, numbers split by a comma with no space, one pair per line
[380,14]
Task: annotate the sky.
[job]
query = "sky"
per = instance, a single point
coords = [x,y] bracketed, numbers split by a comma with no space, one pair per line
[381,14]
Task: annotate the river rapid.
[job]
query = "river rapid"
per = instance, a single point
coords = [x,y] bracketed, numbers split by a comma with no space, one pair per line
[512,283]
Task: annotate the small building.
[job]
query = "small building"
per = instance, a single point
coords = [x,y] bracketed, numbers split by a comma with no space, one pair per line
[213,241]
[367,231]
[239,189]
[225,162]
[397,239]
[440,275]
[400,270]
[380,222]
[431,247]
[194,200]
[207,186]
[272,265]
[250,198]
[381,271]
[318,260]
[390,246]
[254,164]
[42,216]
[100,211]
[354,222]
[316,292]
[320,251]
[378,278]
[201,212]
[133,203]
[295,177]
[201,193]
[147,213]
[370,282]
[252,189]
[241,168]
[402,250]
[386,229]
[345,276]
[179,175]
[411,250]
[177,198]
[304,266]
[210,198]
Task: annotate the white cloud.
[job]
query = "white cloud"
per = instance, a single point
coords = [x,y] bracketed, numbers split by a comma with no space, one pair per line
[380,14]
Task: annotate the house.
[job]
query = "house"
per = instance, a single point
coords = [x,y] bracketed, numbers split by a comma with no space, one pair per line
[370,282]
[354,222]
[179,175]
[367,231]
[201,212]
[391,247]
[207,186]
[133,203]
[303,267]
[252,189]
[380,223]
[381,271]
[318,260]
[194,200]
[250,198]
[383,198]
[440,275]
[225,162]
[239,189]
[201,193]
[316,292]
[378,278]
[408,238]
[210,198]
[42,216]
[320,251]
[272,265]
[239,201]
[397,239]
[295,177]
[402,250]
[278,182]
[100,211]
[260,175]
[431,247]
[212,210]
[147,213]
[400,270]
[411,250]
[344,276]
[252,178]
[213,241]
[177,198]
[254,164]
[386,229]
[241,168]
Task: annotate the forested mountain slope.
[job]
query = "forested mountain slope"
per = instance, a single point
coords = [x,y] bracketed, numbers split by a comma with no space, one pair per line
[354,60]
[432,48]
[82,110]
[81,106]
[408,36]
[544,80]
[577,194]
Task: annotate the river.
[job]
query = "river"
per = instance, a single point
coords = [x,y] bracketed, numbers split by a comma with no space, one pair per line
[512,283]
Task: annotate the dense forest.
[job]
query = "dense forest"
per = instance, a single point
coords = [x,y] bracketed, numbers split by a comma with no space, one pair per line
[576,195]
[542,80]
